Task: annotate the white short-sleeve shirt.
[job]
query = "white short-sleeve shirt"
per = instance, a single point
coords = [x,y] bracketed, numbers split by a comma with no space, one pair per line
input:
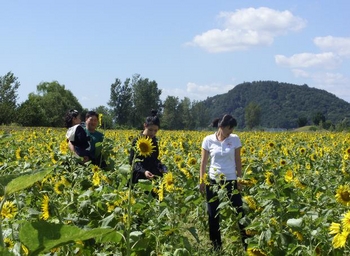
[222,155]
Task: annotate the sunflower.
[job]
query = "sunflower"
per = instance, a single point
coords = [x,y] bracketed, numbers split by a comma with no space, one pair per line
[339,240]
[302,150]
[25,250]
[269,178]
[299,184]
[288,177]
[45,207]
[204,179]
[9,210]
[255,252]
[53,158]
[144,146]
[334,228]
[192,161]
[160,193]
[283,162]
[64,147]
[8,243]
[96,179]
[18,153]
[346,221]
[250,201]
[177,159]
[168,182]
[186,173]
[298,235]
[343,195]
[60,185]
[347,151]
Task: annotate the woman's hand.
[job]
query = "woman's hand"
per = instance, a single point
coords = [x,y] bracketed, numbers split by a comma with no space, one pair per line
[149,175]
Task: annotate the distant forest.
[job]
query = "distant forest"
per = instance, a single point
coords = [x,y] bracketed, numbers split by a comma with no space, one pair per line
[255,105]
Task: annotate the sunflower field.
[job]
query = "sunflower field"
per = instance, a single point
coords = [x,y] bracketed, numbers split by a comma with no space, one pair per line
[296,196]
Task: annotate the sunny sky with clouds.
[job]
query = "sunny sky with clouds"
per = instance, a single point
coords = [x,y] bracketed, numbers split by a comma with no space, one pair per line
[193,49]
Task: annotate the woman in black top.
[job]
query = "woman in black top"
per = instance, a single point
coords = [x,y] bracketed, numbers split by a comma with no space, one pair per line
[149,167]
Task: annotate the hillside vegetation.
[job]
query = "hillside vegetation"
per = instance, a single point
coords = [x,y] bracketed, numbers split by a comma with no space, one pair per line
[281,104]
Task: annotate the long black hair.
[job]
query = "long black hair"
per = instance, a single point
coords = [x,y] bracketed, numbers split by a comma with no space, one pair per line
[226,120]
[69,117]
[153,119]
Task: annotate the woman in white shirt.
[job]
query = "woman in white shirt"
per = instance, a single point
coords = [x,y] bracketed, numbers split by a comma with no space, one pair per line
[224,150]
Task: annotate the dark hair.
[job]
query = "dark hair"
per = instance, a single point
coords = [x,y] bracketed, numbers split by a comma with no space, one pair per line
[90,114]
[153,119]
[69,117]
[226,120]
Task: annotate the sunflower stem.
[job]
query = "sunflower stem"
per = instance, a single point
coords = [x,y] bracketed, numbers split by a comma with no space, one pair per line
[2,244]
[128,223]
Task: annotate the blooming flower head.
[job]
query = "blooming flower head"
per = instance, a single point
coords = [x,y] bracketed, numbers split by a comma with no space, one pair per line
[9,210]
[144,146]
[45,208]
[343,195]
[64,147]
[298,235]
[255,252]
[269,178]
[288,177]
[334,228]
[96,180]
[192,161]
[168,182]
[347,151]
[250,201]
[346,221]
[339,239]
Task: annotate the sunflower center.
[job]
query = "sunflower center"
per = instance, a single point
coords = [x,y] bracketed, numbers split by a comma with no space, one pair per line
[345,196]
[144,147]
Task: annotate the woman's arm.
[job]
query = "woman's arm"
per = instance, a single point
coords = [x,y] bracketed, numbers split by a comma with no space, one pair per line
[238,165]
[203,167]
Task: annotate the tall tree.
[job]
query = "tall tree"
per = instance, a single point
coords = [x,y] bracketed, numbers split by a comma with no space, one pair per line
[120,102]
[318,118]
[200,115]
[170,115]
[8,98]
[146,96]
[252,115]
[31,112]
[52,101]
[185,114]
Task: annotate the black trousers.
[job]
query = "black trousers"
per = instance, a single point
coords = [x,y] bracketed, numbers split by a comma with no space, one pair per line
[214,218]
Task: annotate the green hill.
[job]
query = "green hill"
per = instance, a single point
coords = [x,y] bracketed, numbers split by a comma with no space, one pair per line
[281,104]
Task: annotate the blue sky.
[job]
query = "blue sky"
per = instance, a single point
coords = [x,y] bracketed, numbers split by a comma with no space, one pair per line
[192,49]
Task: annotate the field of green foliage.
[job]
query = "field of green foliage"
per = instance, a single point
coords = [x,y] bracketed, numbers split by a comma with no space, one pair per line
[296,196]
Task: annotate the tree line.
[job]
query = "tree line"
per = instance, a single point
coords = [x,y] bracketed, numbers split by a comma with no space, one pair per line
[256,105]
[130,102]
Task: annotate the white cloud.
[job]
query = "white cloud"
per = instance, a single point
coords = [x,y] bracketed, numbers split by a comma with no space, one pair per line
[335,83]
[339,45]
[197,92]
[249,27]
[309,60]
